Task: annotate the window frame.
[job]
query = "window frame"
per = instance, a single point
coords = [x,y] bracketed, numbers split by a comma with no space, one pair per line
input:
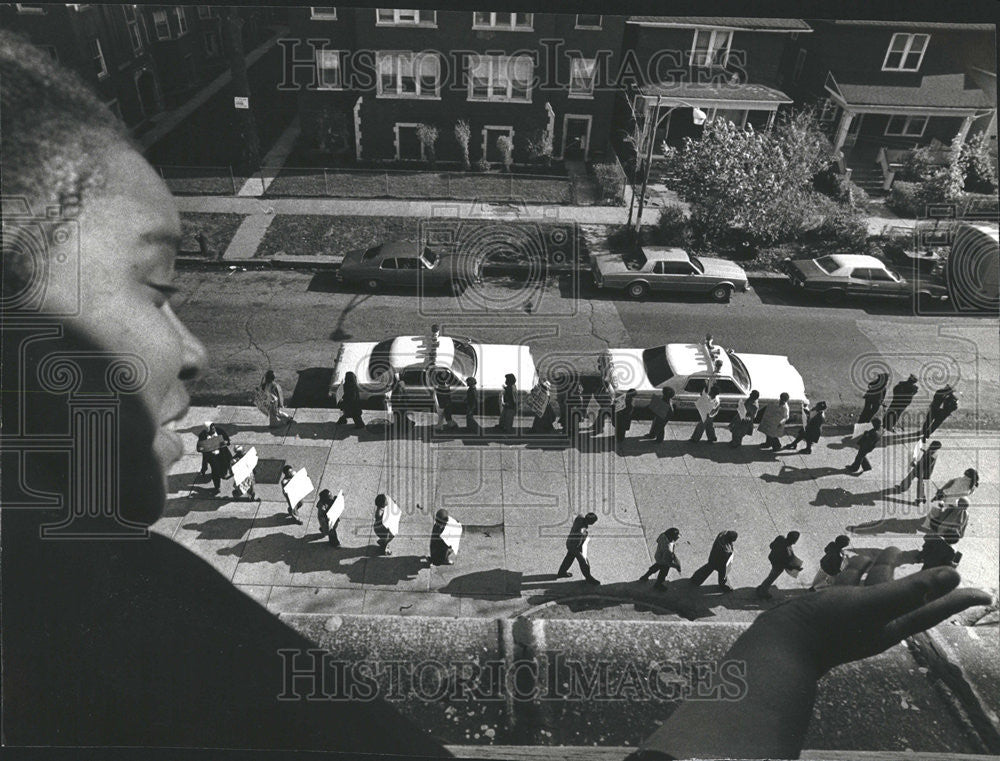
[907,50]
[180,13]
[907,119]
[427,19]
[30,9]
[584,94]
[103,72]
[423,157]
[413,55]
[491,96]
[211,34]
[336,54]
[323,15]
[599,25]
[712,48]
[165,22]
[204,12]
[493,25]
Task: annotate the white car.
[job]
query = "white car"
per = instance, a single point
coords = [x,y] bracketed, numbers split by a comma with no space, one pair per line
[418,362]
[687,369]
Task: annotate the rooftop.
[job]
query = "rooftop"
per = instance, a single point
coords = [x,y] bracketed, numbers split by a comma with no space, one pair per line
[724,22]
[708,92]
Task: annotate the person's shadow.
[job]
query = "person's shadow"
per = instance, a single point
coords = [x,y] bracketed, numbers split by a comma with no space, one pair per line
[839,497]
[889,526]
[788,474]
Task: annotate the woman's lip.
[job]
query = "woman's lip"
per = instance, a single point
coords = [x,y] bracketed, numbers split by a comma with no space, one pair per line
[174,449]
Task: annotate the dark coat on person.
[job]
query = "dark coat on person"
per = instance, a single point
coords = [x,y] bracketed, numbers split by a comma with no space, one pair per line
[350,404]
[833,559]
[578,533]
[814,427]
[781,553]
[722,550]
[869,440]
[902,394]
[441,553]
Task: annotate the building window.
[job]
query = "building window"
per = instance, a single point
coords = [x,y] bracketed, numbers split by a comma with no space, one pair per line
[710,47]
[328,70]
[800,61]
[581,80]
[132,24]
[323,12]
[113,107]
[408,75]
[182,22]
[408,146]
[493,20]
[161,24]
[97,55]
[905,52]
[30,8]
[828,111]
[211,44]
[204,11]
[398,17]
[501,78]
[906,126]
[588,21]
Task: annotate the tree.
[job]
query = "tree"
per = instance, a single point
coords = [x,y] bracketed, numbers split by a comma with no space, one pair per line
[506,147]
[463,134]
[947,183]
[540,145]
[758,183]
[427,134]
[246,127]
[981,171]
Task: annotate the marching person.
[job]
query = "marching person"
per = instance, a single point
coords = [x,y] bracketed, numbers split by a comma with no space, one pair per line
[812,430]
[623,419]
[218,460]
[209,430]
[287,473]
[275,400]
[471,404]
[576,410]
[874,397]
[963,486]
[662,417]
[575,542]
[508,404]
[922,470]
[544,421]
[772,424]
[323,505]
[937,552]
[719,559]
[833,561]
[442,400]
[708,405]
[902,394]
[952,521]
[440,553]
[867,443]
[782,558]
[350,403]
[384,534]
[742,424]
[943,404]
[664,558]
[246,487]
[397,407]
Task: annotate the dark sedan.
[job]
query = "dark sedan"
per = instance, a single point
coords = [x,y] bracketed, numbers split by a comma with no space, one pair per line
[406,264]
[837,276]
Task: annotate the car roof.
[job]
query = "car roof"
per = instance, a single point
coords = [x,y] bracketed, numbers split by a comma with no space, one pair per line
[669,254]
[399,248]
[856,260]
[692,359]
[416,351]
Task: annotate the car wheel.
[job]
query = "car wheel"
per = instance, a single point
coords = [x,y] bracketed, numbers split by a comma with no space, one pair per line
[637,290]
[833,296]
[372,284]
[722,294]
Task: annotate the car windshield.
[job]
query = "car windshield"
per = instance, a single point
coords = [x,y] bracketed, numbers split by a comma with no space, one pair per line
[827,264]
[464,364]
[739,370]
[697,264]
[429,257]
[657,368]
[379,364]
[894,275]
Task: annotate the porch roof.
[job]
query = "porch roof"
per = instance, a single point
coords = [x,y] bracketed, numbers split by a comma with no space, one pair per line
[931,91]
[724,22]
[716,95]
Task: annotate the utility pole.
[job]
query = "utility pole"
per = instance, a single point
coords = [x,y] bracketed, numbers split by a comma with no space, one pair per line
[653,119]
[246,127]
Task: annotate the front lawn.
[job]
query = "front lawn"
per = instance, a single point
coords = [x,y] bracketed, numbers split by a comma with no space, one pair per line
[218,228]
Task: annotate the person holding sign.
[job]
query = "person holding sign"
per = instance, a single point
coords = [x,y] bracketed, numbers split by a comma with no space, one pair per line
[445,537]
[508,404]
[542,406]
[576,548]
[663,410]
[623,417]
[328,512]
[782,558]
[350,402]
[746,414]
[772,424]
[243,476]
[708,405]
[664,558]
[216,438]
[719,558]
[269,399]
[386,523]
[812,430]
[296,487]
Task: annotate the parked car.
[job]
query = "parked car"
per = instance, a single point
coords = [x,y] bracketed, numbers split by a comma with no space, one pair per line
[668,270]
[406,264]
[688,368]
[837,276]
[419,362]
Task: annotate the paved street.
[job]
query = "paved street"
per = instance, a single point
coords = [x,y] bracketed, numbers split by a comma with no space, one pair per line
[517,499]
[295,321]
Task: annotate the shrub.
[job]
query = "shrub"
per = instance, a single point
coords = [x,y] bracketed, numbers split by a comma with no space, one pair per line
[483,165]
[671,227]
[427,134]
[506,147]
[981,174]
[920,165]
[463,133]
[611,180]
[540,144]
[906,199]
[847,227]
[833,183]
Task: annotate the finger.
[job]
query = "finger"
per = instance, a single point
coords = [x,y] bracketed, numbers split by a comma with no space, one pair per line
[930,615]
[885,565]
[851,576]
[890,600]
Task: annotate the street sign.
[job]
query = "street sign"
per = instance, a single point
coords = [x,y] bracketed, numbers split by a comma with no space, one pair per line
[241,102]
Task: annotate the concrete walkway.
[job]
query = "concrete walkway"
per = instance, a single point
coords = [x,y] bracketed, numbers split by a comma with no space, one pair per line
[276,157]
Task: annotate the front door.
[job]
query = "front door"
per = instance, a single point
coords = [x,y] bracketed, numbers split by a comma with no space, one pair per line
[853,131]
[408,144]
[576,137]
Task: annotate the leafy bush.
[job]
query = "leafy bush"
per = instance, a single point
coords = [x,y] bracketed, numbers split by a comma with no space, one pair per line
[981,171]
[540,144]
[506,147]
[671,227]
[921,164]
[846,227]
[611,180]
[833,183]
[427,134]
[463,133]
[906,199]
[482,165]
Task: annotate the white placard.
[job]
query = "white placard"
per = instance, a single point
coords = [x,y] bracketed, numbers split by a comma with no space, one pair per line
[391,516]
[335,510]
[860,428]
[538,400]
[451,534]
[298,488]
[241,102]
[585,547]
[741,409]
[243,467]
[918,452]
[704,405]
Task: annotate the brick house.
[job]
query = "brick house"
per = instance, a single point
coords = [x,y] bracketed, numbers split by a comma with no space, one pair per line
[886,87]
[370,76]
[725,67]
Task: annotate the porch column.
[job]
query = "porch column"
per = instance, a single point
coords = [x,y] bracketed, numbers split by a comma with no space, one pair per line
[357,129]
[964,129]
[845,125]
[770,119]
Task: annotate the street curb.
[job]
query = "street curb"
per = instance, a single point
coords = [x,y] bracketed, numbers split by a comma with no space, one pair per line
[938,656]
